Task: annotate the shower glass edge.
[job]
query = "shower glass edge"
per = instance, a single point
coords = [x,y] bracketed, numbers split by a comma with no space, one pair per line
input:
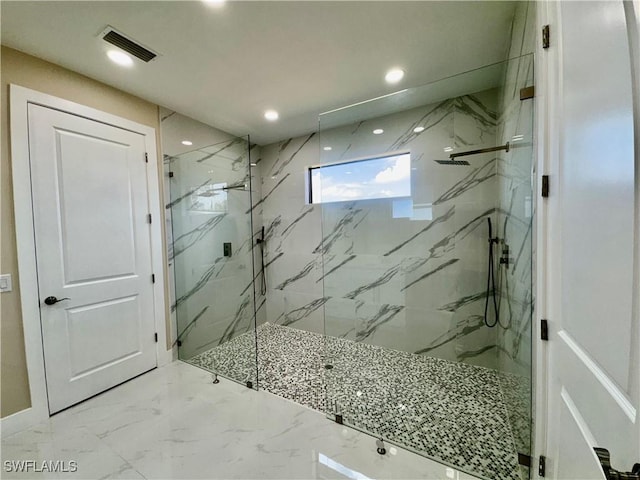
[411,359]
[211,206]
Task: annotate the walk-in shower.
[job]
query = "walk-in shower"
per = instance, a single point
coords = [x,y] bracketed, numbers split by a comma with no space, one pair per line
[347,269]
[408,332]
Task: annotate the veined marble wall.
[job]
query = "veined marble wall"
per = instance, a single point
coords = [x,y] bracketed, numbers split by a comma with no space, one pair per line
[213,297]
[368,270]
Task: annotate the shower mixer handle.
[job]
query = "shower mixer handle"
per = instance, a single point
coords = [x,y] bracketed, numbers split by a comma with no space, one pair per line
[506,261]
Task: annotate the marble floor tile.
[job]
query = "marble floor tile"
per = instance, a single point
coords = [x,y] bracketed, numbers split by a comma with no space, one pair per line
[173,422]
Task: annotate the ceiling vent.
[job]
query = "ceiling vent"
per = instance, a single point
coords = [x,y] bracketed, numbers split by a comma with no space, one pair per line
[125,43]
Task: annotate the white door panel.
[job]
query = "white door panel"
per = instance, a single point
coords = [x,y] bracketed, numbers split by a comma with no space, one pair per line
[593,284]
[88,325]
[597,182]
[108,232]
[93,246]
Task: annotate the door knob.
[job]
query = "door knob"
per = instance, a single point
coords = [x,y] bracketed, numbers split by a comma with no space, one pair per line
[612,473]
[53,300]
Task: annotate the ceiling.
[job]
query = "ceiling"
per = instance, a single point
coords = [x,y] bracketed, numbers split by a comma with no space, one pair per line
[225,65]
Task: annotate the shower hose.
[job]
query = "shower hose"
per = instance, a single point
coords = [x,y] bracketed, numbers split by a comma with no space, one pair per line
[491,284]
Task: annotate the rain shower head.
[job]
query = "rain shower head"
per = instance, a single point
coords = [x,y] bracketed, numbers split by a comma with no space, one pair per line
[452,162]
[452,158]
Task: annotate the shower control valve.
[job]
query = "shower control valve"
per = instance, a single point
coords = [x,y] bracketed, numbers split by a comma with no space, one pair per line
[506,260]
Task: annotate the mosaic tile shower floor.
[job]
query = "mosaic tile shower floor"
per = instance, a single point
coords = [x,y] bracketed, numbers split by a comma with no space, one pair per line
[452,412]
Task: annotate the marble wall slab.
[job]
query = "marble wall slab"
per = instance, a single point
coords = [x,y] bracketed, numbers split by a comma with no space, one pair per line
[362,271]
[213,295]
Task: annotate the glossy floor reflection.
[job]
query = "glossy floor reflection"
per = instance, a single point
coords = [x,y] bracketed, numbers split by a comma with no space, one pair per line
[174,423]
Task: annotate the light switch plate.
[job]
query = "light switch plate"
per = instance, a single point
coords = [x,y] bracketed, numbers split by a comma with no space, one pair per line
[5,283]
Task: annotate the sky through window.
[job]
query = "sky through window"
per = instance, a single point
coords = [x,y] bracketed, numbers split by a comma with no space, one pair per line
[380,177]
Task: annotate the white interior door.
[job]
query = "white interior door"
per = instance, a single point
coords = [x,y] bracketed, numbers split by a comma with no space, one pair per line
[92,233]
[594,262]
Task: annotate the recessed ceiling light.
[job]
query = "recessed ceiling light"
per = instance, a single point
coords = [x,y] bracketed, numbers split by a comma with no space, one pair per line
[271,115]
[418,129]
[394,75]
[187,142]
[120,58]
[326,149]
[214,3]
[378,131]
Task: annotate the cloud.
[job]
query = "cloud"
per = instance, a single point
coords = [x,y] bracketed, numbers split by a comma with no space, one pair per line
[400,170]
[327,190]
[338,192]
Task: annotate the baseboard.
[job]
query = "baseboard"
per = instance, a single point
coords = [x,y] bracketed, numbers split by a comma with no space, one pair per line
[167,356]
[19,421]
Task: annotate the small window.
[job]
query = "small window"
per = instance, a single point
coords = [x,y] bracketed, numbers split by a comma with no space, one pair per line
[378,177]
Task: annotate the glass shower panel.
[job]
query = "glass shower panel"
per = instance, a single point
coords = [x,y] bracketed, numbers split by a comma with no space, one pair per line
[515,214]
[411,357]
[212,257]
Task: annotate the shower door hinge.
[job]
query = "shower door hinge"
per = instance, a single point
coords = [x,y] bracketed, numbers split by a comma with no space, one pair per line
[153,278]
[544,330]
[149,218]
[524,459]
[545,186]
[542,463]
[155,337]
[146,157]
[527,92]
[545,36]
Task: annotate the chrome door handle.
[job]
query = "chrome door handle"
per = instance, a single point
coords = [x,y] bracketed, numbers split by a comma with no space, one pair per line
[53,300]
[612,473]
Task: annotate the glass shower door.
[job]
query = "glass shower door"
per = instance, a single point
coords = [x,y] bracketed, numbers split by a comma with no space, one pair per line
[408,185]
[212,258]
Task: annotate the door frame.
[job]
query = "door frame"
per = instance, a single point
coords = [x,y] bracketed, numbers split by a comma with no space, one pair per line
[544,159]
[19,100]
[548,84]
